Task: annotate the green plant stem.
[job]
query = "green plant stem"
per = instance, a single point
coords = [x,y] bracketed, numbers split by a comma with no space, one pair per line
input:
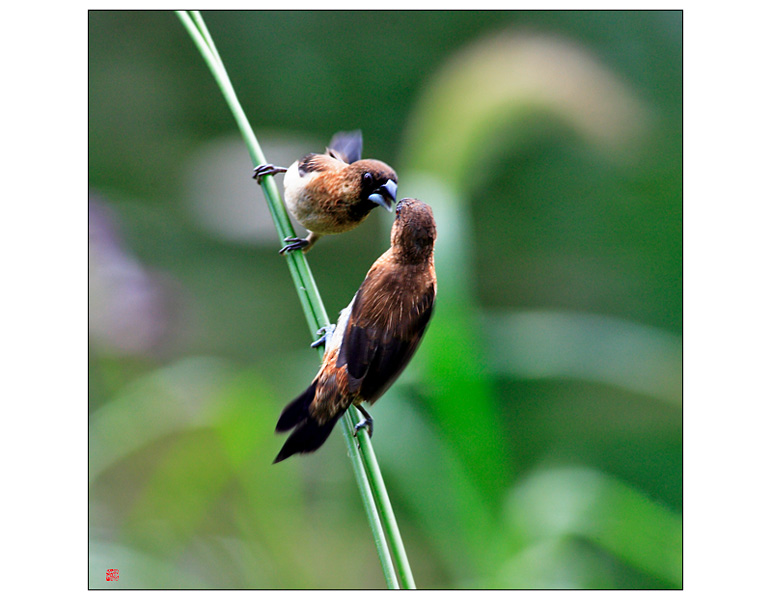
[313,307]
[381,497]
[378,509]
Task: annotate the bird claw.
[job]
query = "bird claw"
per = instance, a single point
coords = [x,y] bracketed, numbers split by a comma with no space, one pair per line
[266,169]
[366,422]
[294,243]
[325,332]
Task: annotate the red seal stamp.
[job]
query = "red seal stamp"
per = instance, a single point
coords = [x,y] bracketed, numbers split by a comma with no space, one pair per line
[112,575]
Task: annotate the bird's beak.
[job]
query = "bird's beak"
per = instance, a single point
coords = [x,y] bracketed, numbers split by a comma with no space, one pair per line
[384,195]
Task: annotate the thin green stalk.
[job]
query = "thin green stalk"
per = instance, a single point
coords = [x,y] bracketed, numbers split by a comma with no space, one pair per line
[381,497]
[366,469]
[313,307]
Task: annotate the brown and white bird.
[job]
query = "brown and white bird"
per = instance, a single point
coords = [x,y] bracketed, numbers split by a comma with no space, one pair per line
[376,334]
[335,191]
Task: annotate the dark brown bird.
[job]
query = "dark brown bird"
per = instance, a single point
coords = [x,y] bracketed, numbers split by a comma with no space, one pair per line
[376,335]
[333,192]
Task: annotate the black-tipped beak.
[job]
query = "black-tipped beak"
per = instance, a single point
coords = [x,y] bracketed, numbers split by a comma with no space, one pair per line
[384,195]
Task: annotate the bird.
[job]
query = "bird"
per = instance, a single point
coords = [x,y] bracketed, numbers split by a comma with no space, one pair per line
[375,337]
[335,191]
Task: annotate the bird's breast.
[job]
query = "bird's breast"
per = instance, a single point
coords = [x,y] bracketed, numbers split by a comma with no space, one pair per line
[320,200]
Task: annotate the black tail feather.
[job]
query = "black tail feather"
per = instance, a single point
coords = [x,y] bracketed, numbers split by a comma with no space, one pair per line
[307,437]
[308,434]
[297,410]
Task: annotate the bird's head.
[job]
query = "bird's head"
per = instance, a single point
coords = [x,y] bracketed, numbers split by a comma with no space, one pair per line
[414,230]
[378,183]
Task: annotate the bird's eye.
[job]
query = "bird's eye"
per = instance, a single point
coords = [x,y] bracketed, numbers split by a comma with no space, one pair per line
[367,179]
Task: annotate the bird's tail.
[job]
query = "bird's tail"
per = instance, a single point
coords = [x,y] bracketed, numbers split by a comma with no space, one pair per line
[309,434]
[346,146]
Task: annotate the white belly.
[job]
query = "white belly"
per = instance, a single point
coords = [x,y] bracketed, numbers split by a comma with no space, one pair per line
[298,202]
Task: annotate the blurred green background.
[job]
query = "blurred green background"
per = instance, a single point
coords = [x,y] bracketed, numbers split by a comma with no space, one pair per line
[536,439]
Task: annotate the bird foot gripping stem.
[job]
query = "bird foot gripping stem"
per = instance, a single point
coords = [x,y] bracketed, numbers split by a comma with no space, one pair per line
[266,169]
[326,333]
[365,423]
[294,243]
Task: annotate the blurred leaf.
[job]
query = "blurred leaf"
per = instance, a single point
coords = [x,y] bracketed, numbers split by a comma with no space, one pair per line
[436,476]
[556,344]
[204,456]
[554,503]
[179,494]
[171,399]
[565,563]
[501,81]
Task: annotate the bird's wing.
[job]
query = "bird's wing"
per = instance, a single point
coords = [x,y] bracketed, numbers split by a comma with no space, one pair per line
[312,163]
[381,336]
